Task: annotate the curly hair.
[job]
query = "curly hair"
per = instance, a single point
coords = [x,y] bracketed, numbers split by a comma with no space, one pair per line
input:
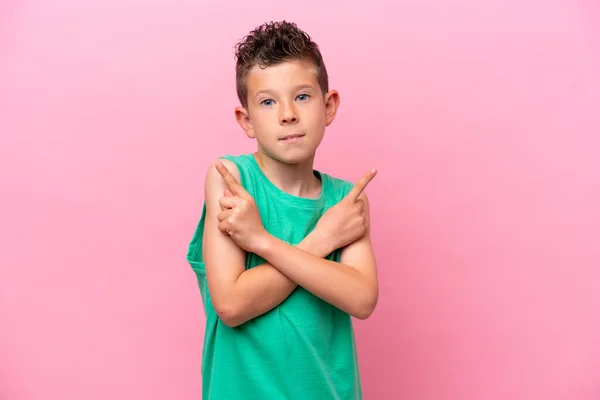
[271,44]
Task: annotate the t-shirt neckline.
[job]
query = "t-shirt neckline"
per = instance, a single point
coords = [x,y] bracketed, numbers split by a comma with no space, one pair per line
[286,197]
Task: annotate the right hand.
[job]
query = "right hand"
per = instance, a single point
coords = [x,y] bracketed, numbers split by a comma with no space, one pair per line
[239,218]
[346,222]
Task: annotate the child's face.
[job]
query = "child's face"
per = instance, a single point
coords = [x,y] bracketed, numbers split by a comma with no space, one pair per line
[287,112]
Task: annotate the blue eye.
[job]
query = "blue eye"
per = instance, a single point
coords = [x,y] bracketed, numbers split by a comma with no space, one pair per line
[267,102]
[302,97]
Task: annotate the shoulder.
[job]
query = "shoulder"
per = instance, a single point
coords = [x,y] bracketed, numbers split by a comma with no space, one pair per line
[340,187]
[214,180]
[232,163]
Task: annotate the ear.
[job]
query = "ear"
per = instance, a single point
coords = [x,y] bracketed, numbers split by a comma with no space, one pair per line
[242,117]
[332,103]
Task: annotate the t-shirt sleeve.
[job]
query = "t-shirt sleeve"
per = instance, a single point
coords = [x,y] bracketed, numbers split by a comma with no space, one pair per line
[194,254]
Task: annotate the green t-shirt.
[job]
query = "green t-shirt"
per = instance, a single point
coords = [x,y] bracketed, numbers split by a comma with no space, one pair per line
[302,349]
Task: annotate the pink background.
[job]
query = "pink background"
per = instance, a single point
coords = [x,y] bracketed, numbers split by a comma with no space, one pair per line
[483,118]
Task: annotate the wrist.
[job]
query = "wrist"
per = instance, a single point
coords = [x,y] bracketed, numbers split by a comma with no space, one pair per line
[264,244]
[318,242]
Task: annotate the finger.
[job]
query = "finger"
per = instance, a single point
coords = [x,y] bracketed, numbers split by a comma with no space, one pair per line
[227,192]
[360,186]
[223,215]
[229,202]
[234,186]
[224,227]
[360,205]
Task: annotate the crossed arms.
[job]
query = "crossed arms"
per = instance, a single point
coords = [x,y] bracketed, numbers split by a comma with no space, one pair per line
[233,227]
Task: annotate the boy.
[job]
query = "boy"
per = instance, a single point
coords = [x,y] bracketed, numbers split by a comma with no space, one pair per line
[282,252]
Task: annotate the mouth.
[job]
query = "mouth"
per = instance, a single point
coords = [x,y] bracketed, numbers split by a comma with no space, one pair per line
[291,138]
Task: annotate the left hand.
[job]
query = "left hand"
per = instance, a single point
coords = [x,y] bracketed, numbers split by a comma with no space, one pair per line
[239,217]
[346,221]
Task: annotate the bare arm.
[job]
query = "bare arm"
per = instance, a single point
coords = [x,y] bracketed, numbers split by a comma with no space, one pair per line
[351,285]
[239,295]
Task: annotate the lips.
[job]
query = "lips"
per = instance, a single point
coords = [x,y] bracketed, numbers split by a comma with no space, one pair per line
[292,136]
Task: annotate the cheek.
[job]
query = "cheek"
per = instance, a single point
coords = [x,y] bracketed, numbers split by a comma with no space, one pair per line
[316,114]
[261,119]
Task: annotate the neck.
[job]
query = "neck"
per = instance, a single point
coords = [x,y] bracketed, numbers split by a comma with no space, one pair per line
[295,179]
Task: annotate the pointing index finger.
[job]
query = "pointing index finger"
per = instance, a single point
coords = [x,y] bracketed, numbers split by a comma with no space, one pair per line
[234,186]
[360,186]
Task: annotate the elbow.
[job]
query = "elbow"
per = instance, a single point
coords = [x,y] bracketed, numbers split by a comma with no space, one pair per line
[366,306]
[229,314]
[364,312]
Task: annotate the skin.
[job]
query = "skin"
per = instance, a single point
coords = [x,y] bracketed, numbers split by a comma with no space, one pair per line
[285,99]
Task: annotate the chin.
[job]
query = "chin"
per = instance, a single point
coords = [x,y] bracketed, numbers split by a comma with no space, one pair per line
[291,157]
[297,159]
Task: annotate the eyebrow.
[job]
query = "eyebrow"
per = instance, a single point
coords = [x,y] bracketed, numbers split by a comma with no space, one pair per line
[296,88]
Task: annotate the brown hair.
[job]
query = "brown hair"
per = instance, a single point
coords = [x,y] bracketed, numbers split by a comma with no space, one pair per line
[273,43]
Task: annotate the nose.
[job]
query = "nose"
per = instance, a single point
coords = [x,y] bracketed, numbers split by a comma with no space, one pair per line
[288,115]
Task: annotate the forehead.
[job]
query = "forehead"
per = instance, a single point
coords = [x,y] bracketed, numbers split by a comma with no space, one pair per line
[282,76]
